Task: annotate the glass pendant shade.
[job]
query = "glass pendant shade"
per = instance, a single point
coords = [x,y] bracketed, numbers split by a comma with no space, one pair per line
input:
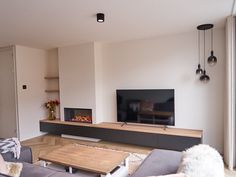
[204,78]
[212,60]
[199,70]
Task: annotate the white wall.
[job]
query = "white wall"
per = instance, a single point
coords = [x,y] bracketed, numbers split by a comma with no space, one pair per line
[8,121]
[31,65]
[52,63]
[98,59]
[77,77]
[91,73]
[168,62]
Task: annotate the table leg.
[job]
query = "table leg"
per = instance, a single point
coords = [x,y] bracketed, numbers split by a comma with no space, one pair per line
[126,162]
[44,163]
[70,170]
[107,175]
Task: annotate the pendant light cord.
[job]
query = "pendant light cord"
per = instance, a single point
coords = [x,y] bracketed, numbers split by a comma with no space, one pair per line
[199,50]
[204,48]
[212,39]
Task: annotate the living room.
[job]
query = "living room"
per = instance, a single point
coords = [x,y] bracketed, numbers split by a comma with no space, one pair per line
[60,51]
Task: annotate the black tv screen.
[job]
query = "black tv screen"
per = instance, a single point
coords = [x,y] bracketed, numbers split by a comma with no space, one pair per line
[147,106]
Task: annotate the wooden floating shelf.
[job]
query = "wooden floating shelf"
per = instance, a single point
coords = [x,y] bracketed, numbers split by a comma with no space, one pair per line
[50,91]
[51,77]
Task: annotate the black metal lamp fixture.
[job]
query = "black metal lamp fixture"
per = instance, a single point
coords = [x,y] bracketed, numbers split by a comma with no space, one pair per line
[212,59]
[100,17]
[199,70]
[204,77]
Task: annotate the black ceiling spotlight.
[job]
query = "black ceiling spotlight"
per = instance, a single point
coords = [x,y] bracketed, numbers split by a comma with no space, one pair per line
[204,77]
[212,60]
[100,17]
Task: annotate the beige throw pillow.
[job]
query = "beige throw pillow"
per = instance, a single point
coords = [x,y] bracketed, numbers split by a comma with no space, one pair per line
[14,169]
[3,167]
[171,175]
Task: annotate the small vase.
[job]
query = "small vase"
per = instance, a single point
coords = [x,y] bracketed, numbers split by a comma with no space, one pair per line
[51,115]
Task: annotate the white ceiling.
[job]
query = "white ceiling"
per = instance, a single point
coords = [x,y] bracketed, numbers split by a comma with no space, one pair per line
[54,23]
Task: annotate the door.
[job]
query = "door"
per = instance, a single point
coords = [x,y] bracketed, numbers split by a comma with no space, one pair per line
[8,125]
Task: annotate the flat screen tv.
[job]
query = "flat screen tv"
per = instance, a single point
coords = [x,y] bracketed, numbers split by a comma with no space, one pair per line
[149,106]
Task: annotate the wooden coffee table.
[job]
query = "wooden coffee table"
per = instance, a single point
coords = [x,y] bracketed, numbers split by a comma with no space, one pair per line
[91,159]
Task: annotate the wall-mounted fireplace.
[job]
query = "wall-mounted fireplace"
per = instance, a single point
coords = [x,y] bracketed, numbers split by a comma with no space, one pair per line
[78,115]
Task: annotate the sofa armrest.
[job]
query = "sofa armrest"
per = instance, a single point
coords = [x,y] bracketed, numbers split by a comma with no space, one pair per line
[159,162]
[3,175]
[25,155]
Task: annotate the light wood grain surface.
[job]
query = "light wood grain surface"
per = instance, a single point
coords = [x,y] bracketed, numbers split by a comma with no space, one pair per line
[101,161]
[136,128]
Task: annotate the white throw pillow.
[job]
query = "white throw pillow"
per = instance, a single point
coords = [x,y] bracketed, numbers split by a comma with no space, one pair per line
[3,167]
[201,161]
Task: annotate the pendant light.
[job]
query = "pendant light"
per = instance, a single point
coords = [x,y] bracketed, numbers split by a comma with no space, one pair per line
[199,69]
[204,78]
[212,60]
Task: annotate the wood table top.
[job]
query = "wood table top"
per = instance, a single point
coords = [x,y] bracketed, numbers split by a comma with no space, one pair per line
[92,159]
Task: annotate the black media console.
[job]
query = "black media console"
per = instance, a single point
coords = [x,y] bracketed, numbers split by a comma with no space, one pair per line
[169,138]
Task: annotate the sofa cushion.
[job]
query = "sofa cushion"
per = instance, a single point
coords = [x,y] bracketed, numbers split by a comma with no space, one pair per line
[38,171]
[172,175]
[159,162]
[81,174]
[35,171]
[25,156]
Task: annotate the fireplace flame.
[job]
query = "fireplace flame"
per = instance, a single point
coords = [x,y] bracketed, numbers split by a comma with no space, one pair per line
[84,119]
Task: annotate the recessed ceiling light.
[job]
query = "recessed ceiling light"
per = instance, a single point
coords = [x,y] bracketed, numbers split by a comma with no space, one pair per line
[100,17]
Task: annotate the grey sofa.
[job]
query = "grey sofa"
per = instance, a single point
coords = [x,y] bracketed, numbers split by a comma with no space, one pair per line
[31,170]
[159,162]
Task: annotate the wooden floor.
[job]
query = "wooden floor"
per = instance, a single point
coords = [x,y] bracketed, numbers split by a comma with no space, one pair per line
[44,144]
[230,173]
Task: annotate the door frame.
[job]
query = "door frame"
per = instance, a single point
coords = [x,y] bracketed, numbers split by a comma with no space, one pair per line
[13,50]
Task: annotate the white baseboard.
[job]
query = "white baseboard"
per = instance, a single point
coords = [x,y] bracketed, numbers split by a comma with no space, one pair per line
[80,138]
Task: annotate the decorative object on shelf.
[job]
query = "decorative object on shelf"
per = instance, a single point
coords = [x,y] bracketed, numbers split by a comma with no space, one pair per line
[100,17]
[51,106]
[211,59]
